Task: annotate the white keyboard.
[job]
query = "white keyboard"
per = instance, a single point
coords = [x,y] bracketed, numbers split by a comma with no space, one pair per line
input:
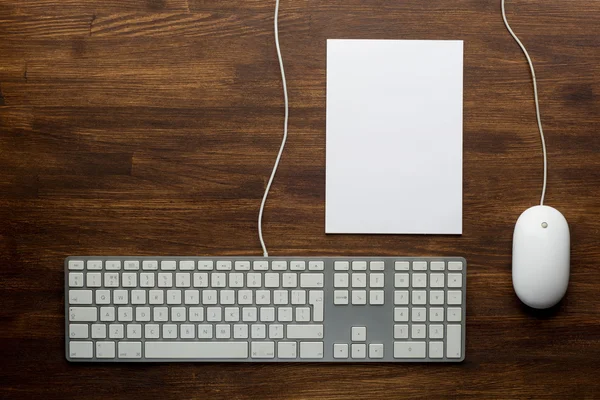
[274,309]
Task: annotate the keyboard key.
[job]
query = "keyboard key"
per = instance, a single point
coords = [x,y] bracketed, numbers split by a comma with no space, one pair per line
[418,332]
[340,350]
[168,265]
[259,331]
[454,280]
[305,331]
[316,266]
[279,265]
[308,280]
[340,280]
[453,341]
[223,331]
[297,265]
[187,331]
[436,349]
[340,297]
[150,265]
[201,279]
[284,314]
[223,265]
[191,297]
[260,265]
[280,297]
[147,279]
[263,350]
[275,331]
[401,280]
[81,349]
[311,349]
[75,265]
[103,297]
[131,265]
[169,331]
[400,331]
[125,314]
[419,297]
[242,265]
[401,265]
[94,265]
[121,297]
[376,350]
[213,314]
[419,265]
[436,297]
[419,314]
[205,265]
[401,297]
[376,280]
[107,314]
[173,296]
[263,297]
[209,297]
[302,314]
[436,265]
[359,297]
[182,279]
[218,280]
[271,280]
[98,331]
[290,280]
[419,280]
[455,266]
[161,314]
[178,314]
[436,314]
[454,297]
[409,349]
[249,314]
[196,314]
[341,265]
[236,280]
[134,331]
[436,331]
[199,350]
[83,314]
[187,265]
[227,297]
[240,331]
[267,314]
[93,279]
[359,350]
[454,314]
[129,280]
[165,280]
[112,265]
[253,280]
[151,331]
[245,296]
[359,265]
[80,297]
[401,314]
[298,297]
[78,331]
[376,297]
[286,350]
[156,296]
[204,332]
[376,265]
[436,280]
[359,280]
[105,350]
[359,333]
[76,279]
[116,331]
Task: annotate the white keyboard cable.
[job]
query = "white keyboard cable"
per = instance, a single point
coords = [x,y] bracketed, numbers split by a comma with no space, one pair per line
[537,103]
[285,132]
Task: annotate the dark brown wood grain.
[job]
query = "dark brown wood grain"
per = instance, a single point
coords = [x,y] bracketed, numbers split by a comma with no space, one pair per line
[149,127]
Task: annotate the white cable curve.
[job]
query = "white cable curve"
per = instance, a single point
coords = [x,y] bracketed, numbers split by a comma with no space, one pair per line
[537,102]
[285,132]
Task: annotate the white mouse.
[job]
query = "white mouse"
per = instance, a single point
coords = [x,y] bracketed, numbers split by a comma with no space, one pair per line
[541,257]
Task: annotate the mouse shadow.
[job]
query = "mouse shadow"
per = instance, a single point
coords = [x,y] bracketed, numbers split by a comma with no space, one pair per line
[546,313]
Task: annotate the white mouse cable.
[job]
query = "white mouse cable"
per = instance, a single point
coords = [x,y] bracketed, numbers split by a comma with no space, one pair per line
[285,132]
[537,102]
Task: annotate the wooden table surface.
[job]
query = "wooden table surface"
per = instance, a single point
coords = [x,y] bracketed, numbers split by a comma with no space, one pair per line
[149,127]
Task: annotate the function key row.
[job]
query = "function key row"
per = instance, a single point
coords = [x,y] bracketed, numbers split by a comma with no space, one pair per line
[191,265]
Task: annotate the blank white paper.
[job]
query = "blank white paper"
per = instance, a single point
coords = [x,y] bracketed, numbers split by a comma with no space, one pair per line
[394,136]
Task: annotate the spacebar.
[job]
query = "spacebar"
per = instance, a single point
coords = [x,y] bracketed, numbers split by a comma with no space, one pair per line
[196,350]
